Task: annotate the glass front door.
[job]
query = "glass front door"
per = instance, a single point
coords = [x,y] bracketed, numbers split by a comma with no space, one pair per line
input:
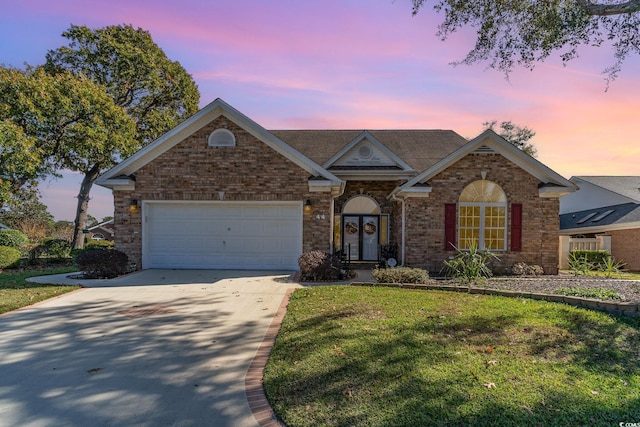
[361,236]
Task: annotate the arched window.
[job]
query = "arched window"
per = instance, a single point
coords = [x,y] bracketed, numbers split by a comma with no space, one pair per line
[361,205]
[482,217]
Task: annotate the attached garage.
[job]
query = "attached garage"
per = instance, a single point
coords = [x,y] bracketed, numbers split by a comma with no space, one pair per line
[222,235]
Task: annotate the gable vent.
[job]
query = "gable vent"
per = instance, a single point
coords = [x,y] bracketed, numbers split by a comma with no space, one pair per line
[483,149]
[222,138]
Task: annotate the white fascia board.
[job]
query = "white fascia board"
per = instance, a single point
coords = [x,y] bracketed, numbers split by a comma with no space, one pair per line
[194,123]
[502,147]
[377,143]
[601,229]
[117,183]
[555,192]
[420,192]
[373,175]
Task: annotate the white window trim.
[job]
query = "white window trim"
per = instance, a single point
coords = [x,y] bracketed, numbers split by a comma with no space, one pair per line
[482,206]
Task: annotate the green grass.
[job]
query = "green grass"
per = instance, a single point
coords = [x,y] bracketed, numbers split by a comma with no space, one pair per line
[16,292]
[348,356]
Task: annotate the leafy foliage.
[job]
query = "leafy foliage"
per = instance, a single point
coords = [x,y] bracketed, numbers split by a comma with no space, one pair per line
[516,135]
[598,293]
[470,265]
[319,265]
[9,256]
[135,72]
[102,263]
[611,267]
[521,33]
[96,244]
[13,238]
[400,275]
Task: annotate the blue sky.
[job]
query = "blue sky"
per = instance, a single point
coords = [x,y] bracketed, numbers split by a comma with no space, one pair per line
[350,64]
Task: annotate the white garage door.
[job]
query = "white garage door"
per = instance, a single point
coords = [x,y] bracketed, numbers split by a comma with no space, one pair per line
[249,236]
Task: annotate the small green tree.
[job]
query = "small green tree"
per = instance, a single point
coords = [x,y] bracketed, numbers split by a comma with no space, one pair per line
[517,135]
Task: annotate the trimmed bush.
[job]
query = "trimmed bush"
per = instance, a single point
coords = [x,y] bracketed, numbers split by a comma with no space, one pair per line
[9,257]
[59,248]
[596,259]
[524,269]
[99,244]
[400,275]
[102,263]
[13,238]
[319,265]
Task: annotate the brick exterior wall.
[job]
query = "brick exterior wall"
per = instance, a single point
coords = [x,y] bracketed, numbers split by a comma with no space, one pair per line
[624,247]
[190,171]
[540,221]
[252,171]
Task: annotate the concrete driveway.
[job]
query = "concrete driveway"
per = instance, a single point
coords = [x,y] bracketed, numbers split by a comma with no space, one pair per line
[155,348]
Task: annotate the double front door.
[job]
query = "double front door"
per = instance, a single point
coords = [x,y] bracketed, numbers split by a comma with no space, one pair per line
[361,237]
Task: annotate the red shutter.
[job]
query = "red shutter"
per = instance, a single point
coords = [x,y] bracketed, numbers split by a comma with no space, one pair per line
[516,227]
[450,213]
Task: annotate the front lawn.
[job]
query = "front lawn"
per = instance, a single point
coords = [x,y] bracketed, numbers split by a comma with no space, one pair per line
[348,356]
[16,292]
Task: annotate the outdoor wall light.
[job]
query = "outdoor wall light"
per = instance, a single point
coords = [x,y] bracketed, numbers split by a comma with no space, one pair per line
[307,205]
[133,206]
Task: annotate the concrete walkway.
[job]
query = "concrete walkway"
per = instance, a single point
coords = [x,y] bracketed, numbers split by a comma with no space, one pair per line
[154,348]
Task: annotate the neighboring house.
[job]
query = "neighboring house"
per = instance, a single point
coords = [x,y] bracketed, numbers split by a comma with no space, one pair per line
[606,208]
[3,227]
[102,231]
[221,191]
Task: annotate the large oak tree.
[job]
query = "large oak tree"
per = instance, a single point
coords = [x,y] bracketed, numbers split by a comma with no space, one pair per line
[156,92]
[520,33]
[71,122]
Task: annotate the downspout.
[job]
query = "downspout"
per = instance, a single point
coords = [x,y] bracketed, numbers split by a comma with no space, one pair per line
[402,234]
[334,196]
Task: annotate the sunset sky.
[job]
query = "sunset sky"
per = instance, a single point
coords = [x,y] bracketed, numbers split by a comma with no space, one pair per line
[350,64]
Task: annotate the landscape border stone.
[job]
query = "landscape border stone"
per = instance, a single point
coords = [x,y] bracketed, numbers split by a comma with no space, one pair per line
[620,308]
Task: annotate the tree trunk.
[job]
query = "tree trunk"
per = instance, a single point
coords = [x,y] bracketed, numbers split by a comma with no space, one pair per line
[80,222]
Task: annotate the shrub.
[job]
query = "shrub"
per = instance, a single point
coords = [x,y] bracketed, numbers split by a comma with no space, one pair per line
[56,247]
[611,267]
[579,264]
[99,244]
[319,265]
[470,265]
[9,257]
[13,238]
[524,269]
[400,275]
[102,263]
[595,258]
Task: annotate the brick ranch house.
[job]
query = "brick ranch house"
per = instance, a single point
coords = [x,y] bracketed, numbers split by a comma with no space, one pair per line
[221,191]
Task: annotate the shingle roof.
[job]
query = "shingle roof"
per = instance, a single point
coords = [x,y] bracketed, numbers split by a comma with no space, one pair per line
[420,149]
[601,217]
[628,186]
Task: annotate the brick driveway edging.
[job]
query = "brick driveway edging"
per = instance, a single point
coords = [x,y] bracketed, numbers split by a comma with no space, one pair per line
[262,411]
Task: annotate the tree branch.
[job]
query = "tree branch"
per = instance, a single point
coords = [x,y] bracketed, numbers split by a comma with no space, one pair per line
[599,9]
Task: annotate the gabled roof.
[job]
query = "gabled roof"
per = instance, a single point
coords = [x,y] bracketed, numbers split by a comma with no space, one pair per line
[615,217]
[553,184]
[626,186]
[419,149]
[116,176]
[108,226]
